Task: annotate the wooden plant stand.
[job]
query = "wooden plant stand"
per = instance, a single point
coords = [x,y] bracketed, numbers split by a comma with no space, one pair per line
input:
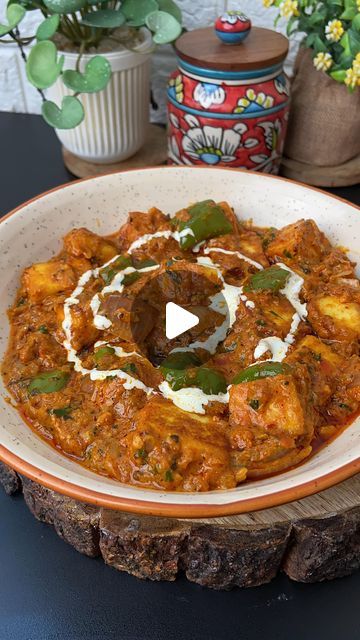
[314,539]
[153,153]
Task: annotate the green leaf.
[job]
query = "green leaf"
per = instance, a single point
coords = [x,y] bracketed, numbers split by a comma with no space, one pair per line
[104,19]
[169,6]
[65,6]
[319,45]
[136,11]
[310,39]
[290,25]
[354,42]
[14,15]
[48,382]
[42,66]
[345,43]
[164,26]
[69,116]
[27,4]
[356,22]
[350,3]
[315,19]
[261,370]
[95,77]
[348,14]
[47,28]
[271,279]
[339,76]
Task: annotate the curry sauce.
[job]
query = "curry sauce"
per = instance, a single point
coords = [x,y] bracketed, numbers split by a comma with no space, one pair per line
[249,392]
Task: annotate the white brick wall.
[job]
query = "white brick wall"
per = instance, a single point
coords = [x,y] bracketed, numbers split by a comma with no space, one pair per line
[17,95]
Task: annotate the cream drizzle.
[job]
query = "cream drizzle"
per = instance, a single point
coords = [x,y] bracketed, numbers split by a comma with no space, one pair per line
[189,399]
[277,347]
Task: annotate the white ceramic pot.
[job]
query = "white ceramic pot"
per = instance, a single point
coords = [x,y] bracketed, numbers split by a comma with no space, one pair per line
[116,119]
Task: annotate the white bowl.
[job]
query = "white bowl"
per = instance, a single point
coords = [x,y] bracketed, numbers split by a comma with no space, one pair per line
[33,232]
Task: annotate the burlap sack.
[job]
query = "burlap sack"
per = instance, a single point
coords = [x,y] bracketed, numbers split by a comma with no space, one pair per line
[324,123]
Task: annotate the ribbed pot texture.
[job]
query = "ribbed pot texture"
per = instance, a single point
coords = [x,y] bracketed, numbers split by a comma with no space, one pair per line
[116,119]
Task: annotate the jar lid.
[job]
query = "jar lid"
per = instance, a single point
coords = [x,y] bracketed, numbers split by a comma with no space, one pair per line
[262,48]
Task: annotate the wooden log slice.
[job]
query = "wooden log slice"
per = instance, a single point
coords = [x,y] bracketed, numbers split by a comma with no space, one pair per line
[314,539]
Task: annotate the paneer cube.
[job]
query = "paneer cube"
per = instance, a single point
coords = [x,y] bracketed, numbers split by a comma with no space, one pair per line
[47,279]
[319,348]
[335,317]
[271,421]
[86,244]
[342,313]
[177,449]
[301,242]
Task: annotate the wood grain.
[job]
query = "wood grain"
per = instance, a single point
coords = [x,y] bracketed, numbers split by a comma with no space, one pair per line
[314,539]
[262,48]
[153,153]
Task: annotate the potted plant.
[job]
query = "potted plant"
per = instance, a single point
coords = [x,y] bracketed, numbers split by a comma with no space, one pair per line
[98,104]
[323,141]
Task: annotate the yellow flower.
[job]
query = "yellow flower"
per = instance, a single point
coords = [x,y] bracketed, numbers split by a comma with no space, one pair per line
[352,78]
[334,30]
[269,3]
[289,8]
[358,4]
[323,61]
[356,64]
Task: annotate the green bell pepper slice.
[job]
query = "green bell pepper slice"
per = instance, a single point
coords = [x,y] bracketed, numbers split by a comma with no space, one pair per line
[261,370]
[271,279]
[181,369]
[48,382]
[109,272]
[102,352]
[207,220]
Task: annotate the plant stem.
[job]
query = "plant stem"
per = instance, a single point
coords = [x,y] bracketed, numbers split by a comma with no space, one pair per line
[81,51]
[16,36]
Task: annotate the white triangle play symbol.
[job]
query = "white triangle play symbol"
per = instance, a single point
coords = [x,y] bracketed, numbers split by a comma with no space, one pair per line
[178,320]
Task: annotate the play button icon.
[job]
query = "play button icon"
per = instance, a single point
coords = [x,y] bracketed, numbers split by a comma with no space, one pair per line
[177,307]
[178,320]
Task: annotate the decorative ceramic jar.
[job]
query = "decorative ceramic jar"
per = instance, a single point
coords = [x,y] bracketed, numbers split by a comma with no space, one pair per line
[228,103]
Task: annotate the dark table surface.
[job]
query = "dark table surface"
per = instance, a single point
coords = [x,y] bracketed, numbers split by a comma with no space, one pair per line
[48,591]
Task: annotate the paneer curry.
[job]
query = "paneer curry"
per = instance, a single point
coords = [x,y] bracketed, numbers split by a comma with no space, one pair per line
[253,390]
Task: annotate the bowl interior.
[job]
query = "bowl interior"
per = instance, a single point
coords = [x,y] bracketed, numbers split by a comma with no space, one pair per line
[33,233]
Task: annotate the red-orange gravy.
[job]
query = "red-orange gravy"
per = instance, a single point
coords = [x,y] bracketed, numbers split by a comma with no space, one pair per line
[268,424]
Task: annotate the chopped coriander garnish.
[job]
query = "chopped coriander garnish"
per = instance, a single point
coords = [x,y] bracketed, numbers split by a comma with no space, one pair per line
[62,412]
[43,329]
[130,367]
[288,254]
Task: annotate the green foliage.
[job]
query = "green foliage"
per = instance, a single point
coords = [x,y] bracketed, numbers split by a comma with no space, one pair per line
[14,15]
[42,67]
[136,11]
[95,77]
[105,18]
[164,26]
[64,6]
[339,42]
[47,28]
[70,115]
[83,23]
